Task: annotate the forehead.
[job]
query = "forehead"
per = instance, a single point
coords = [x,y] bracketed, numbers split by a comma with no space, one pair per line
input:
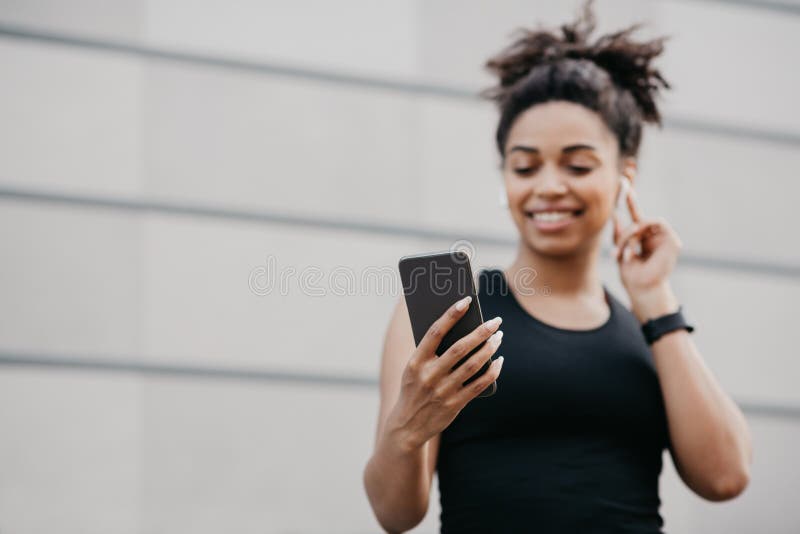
[552,125]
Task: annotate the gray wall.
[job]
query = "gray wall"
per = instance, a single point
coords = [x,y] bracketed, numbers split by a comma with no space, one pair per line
[155,154]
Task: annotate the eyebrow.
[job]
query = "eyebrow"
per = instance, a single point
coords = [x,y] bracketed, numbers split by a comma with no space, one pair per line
[573,148]
[565,150]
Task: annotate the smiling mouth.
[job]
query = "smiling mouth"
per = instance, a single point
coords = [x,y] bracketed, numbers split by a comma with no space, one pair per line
[553,216]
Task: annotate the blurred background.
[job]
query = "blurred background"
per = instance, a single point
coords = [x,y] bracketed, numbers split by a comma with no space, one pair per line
[158,159]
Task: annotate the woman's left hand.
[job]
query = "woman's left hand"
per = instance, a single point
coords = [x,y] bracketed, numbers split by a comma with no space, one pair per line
[646,252]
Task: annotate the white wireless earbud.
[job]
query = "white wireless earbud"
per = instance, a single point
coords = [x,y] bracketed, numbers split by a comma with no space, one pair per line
[502,199]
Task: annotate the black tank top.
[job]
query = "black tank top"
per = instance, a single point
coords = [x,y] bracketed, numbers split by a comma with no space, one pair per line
[573,439]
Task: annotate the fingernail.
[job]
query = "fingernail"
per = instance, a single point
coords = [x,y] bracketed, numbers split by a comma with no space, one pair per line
[499,363]
[491,323]
[463,303]
[495,338]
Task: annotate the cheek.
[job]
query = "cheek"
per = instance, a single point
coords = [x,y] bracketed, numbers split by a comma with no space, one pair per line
[598,202]
[514,186]
[516,191]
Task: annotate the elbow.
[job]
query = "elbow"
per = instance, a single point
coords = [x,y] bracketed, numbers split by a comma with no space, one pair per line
[391,518]
[733,475]
[730,485]
[397,525]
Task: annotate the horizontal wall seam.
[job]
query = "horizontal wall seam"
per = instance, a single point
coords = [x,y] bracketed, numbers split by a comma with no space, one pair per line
[122,365]
[772,136]
[263,375]
[264,216]
[787,8]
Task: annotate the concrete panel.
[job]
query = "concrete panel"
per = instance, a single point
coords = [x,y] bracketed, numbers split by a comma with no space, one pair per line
[71,118]
[70,280]
[739,76]
[291,146]
[356,36]
[117,19]
[69,456]
[742,327]
[328,315]
[255,458]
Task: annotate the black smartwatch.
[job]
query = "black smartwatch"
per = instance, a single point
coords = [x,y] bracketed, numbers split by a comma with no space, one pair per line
[653,329]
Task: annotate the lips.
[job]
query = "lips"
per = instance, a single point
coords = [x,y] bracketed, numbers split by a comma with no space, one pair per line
[553,213]
[552,219]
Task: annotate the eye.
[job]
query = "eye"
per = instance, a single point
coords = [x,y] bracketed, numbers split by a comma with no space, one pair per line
[579,170]
[524,171]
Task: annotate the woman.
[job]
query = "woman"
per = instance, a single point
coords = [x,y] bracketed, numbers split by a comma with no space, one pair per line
[588,400]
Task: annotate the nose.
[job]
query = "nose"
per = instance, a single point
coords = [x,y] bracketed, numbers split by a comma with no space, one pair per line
[549,183]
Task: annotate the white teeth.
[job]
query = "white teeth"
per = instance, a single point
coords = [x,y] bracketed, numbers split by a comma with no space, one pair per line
[552,216]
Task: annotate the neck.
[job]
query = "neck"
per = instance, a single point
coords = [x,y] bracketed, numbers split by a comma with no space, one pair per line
[571,275]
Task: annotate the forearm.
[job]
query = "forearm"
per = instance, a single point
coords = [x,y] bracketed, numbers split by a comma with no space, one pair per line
[396,481]
[710,436]
[708,431]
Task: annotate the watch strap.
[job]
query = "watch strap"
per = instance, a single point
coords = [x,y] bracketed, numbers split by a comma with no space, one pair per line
[653,329]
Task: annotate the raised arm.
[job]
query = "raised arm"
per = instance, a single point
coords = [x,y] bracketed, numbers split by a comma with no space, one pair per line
[711,443]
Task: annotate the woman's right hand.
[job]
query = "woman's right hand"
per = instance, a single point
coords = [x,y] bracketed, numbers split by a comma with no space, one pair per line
[432,392]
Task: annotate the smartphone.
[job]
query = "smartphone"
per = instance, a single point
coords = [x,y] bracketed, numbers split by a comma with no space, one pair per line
[433,282]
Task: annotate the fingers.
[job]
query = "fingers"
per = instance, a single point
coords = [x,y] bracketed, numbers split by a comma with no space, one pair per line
[461,348]
[671,233]
[476,361]
[633,206]
[633,248]
[642,237]
[625,236]
[635,236]
[617,226]
[476,387]
[433,337]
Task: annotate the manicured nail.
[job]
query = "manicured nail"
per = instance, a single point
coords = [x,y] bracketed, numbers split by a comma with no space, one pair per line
[496,338]
[463,303]
[491,323]
[499,363]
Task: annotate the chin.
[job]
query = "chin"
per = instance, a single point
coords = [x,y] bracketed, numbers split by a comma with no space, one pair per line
[560,245]
[556,248]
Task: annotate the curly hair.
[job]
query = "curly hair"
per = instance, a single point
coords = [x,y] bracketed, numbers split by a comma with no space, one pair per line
[612,75]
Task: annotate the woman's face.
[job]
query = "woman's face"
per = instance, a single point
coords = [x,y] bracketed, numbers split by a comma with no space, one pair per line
[561,174]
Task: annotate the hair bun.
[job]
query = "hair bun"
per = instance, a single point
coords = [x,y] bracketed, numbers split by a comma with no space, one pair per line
[627,61]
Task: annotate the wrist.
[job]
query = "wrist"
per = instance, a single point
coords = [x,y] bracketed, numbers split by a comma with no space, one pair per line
[400,438]
[654,302]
